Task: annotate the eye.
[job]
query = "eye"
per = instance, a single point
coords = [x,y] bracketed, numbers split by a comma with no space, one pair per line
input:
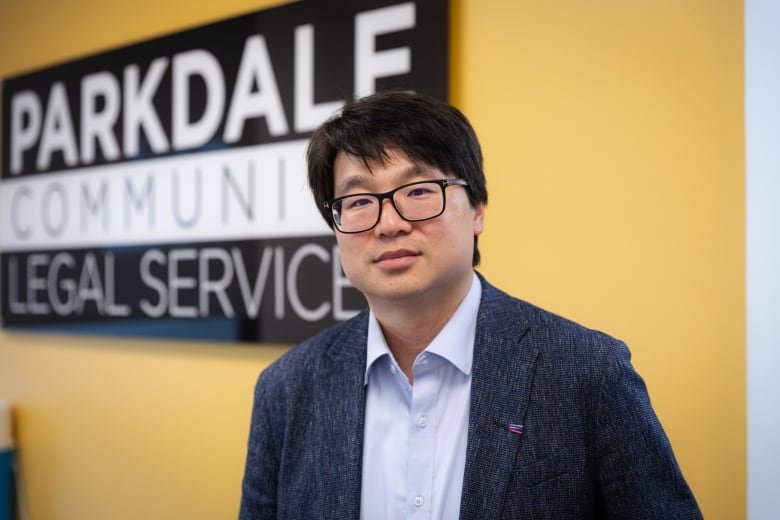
[419,191]
[357,202]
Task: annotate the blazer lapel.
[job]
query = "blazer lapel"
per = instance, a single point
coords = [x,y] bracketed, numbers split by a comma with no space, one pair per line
[342,393]
[502,375]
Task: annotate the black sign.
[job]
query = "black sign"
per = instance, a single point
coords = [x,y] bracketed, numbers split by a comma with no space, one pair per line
[159,189]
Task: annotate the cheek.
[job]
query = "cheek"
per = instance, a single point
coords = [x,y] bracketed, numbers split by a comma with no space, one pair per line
[347,253]
[468,225]
[449,245]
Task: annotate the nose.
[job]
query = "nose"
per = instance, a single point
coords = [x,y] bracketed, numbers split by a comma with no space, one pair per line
[390,222]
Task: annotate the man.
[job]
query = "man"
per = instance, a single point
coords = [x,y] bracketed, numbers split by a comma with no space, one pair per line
[448,398]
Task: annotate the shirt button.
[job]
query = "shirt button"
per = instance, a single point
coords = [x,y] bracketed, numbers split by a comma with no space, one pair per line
[418,501]
[422,422]
[392,369]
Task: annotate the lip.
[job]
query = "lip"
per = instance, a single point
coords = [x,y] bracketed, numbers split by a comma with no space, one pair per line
[396,258]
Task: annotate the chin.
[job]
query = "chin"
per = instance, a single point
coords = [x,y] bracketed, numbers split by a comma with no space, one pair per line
[399,291]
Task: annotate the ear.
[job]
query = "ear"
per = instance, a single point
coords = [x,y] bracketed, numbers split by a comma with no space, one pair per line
[479,219]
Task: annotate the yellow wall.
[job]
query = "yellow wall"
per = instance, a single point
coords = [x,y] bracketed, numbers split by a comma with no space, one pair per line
[614,152]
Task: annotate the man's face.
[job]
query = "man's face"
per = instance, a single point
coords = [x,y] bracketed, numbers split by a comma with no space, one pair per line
[402,262]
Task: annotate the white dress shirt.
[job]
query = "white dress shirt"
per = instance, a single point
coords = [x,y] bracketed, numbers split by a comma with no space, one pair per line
[414,443]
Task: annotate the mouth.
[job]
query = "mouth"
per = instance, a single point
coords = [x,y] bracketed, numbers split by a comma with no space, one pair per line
[396,258]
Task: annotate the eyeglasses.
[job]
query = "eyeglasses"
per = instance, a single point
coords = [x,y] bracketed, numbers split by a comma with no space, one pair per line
[416,201]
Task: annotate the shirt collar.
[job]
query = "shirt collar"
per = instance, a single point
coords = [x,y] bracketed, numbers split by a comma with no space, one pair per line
[455,342]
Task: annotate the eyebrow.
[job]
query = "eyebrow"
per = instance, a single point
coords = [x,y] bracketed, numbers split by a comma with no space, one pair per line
[356,181]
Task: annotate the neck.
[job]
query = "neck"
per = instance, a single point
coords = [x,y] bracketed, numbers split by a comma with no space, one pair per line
[410,326]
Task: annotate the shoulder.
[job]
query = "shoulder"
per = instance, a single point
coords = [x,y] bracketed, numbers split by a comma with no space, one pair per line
[558,343]
[501,307]
[303,361]
[567,361]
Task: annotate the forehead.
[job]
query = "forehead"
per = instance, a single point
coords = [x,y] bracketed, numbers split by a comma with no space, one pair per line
[352,173]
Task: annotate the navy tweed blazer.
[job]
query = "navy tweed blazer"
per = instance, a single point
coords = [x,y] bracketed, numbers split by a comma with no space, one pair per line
[591,445]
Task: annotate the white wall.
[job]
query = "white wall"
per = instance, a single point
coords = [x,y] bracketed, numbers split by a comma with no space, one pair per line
[762,126]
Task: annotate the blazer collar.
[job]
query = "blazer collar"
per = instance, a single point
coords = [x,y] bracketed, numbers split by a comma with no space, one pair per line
[341,391]
[500,388]
[348,346]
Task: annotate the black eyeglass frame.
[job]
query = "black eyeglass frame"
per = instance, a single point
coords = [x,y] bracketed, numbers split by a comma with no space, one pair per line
[443,184]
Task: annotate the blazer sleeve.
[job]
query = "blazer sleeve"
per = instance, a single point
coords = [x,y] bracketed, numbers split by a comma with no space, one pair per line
[637,474]
[258,496]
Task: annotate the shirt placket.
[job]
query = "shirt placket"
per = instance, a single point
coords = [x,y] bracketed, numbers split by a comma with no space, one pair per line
[422,436]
